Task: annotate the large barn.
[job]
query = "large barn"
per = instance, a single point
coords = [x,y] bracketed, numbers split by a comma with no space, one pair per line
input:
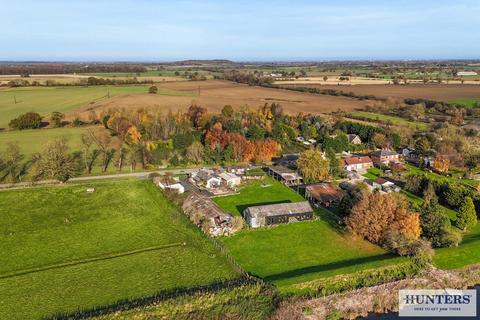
[267,215]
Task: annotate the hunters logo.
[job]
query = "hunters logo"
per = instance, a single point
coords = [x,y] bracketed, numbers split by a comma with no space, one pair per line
[437,303]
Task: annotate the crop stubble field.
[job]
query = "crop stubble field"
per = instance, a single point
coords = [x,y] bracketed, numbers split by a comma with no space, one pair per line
[215,94]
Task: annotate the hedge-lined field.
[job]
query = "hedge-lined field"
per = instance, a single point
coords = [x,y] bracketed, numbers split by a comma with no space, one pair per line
[64,249]
[45,100]
[32,141]
[293,253]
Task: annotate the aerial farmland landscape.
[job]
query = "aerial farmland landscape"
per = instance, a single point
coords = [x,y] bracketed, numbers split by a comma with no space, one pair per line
[221,160]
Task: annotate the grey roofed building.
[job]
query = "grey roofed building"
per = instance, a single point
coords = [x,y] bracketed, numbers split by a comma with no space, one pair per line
[285,175]
[266,215]
[354,139]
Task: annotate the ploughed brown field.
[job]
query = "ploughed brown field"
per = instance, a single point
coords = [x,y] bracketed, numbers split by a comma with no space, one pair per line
[215,94]
[441,92]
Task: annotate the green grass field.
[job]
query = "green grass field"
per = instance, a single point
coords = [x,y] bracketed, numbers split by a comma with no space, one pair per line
[393,119]
[45,100]
[255,194]
[298,252]
[468,252]
[31,141]
[64,249]
[466,102]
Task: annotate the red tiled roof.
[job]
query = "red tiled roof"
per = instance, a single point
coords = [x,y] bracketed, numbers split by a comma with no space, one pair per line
[358,160]
[325,192]
[380,181]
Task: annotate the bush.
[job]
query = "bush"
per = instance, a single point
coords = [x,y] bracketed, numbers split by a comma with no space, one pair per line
[29,120]
[419,249]
[153,90]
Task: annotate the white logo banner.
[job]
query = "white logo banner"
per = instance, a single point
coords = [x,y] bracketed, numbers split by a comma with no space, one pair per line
[437,303]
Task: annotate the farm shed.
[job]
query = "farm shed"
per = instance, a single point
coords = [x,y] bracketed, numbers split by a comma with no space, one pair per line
[288,160]
[285,175]
[267,215]
[324,194]
[200,208]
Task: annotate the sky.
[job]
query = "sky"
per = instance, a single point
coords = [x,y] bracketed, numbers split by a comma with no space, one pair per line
[300,30]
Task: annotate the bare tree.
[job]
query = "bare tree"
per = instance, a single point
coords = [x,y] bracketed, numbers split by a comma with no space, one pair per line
[103,140]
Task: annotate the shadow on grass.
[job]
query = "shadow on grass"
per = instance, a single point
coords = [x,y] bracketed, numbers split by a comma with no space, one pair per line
[469,239]
[242,207]
[327,267]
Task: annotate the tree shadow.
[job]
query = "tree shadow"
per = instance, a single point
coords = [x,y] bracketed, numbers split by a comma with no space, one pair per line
[242,207]
[326,267]
[470,238]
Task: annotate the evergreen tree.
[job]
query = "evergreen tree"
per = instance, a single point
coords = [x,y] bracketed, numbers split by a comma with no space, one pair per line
[466,215]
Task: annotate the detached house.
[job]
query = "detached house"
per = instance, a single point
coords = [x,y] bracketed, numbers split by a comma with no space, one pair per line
[354,139]
[230,179]
[206,177]
[357,163]
[385,157]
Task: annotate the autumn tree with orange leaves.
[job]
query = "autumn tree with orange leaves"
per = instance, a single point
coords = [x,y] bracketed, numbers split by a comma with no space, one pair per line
[376,214]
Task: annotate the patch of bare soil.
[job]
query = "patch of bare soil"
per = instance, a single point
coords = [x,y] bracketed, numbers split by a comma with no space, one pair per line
[215,94]
[441,92]
[378,299]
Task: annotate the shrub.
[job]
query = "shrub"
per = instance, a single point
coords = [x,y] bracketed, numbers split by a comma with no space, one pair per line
[153,90]
[420,249]
[29,120]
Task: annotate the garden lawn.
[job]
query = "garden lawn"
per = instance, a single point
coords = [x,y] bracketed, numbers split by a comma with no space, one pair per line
[373,173]
[468,252]
[64,249]
[293,253]
[256,193]
[45,100]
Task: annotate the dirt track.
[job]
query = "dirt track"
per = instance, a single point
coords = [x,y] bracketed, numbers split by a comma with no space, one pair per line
[215,94]
[442,92]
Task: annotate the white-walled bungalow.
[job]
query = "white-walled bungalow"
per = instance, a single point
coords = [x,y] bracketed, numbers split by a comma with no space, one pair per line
[230,179]
[357,163]
[168,182]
